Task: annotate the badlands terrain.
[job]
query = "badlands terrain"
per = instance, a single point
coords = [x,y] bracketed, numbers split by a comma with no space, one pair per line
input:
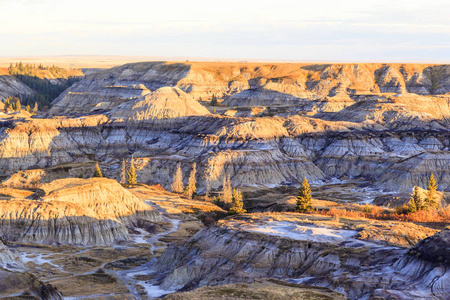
[362,134]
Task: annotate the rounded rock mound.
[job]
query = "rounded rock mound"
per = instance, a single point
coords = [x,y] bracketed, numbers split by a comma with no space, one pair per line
[435,248]
[164,103]
[94,211]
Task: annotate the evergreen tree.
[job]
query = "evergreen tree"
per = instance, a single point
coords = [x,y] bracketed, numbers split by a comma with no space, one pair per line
[97,171]
[415,202]
[177,184]
[304,199]
[8,103]
[237,204]
[17,107]
[190,188]
[217,200]
[28,109]
[214,100]
[132,177]
[35,108]
[123,172]
[431,198]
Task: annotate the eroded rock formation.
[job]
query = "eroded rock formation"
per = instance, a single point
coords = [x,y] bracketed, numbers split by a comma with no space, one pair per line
[316,256]
[74,211]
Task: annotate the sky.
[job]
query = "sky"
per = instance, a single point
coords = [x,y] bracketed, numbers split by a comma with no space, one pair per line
[302,30]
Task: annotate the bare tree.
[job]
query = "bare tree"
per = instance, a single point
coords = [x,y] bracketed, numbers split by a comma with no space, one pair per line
[190,188]
[123,172]
[177,184]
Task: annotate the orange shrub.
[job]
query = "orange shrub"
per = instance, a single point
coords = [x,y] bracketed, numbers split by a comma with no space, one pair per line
[378,213]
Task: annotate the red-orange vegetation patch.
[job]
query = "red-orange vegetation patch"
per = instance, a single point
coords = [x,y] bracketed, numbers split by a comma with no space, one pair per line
[378,213]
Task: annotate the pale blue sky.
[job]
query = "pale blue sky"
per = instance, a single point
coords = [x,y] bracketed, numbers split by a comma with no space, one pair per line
[319,30]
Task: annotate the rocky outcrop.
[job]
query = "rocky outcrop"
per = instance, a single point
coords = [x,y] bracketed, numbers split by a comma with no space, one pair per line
[342,121]
[12,87]
[164,103]
[15,282]
[74,211]
[250,84]
[17,285]
[216,256]
[428,263]
[254,151]
[435,249]
[9,259]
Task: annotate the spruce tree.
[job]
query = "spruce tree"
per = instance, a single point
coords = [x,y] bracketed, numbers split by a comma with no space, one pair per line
[304,199]
[35,108]
[132,177]
[415,202]
[214,100]
[97,171]
[177,183]
[190,188]
[28,108]
[8,104]
[237,204]
[431,198]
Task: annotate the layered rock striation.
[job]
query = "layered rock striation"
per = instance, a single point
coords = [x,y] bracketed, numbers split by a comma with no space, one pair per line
[321,257]
[74,211]
[383,122]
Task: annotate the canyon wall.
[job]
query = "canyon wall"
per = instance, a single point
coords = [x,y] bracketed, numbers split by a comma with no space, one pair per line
[384,123]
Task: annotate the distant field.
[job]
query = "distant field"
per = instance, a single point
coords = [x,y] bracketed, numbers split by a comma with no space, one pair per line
[74,61]
[91,61]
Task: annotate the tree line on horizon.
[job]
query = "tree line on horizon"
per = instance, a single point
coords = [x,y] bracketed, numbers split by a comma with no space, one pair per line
[46,91]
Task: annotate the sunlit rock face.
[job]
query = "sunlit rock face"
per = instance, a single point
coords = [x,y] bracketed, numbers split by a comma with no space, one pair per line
[164,103]
[383,122]
[255,152]
[251,84]
[74,211]
[12,87]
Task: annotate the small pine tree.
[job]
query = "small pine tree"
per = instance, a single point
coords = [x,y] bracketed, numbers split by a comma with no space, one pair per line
[217,200]
[28,108]
[123,172]
[8,104]
[132,177]
[190,188]
[367,208]
[177,183]
[97,171]
[415,202]
[304,199]
[17,107]
[431,198]
[237,204]
[214,100]
[35,108]
[80,176]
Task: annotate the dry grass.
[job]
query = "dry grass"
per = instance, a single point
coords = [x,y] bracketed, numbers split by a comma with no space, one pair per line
[379,213]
